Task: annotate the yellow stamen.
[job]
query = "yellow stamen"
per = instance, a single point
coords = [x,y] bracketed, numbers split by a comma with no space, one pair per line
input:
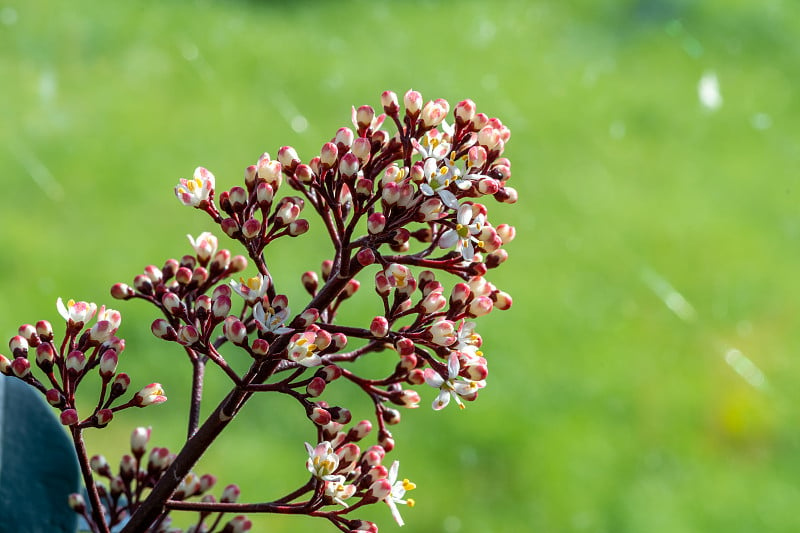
[410,502]
[409,485]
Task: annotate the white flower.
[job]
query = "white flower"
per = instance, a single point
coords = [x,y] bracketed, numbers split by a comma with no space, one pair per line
[337,491]
[205,246]
[322,461]
[196,190]
[455,386]
[431,146]
[302,350]
[76,312]
[398,492]
[460,177]
[251,289]
[463,235]
[269,319]
[436,182]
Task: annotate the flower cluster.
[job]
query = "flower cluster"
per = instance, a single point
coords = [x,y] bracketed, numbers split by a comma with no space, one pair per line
[401,196]
[65,363]
[138,472]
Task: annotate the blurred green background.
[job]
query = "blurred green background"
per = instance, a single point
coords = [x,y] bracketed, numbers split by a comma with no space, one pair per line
[647,376]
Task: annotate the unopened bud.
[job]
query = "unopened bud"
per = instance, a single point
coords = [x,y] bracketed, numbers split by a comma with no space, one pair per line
[379,327]
[69,417]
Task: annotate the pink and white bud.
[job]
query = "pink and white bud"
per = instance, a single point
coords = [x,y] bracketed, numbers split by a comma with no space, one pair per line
[260,347]
[349,165]
[506,233]
[310,281]
[184,275]
[360,430]
[304,174]
[20,367]
[150,395]
[379,327]
[412,101]
[328,155]
[298,227]
[316,387]
[382,285]
[238,264]
[322,339]
[265,194]
[235,331]
[221,306]
[376,223]
[362,149]
[53,396]
[459,295]
[480,306]
[230,494]
[320,416]
[363,116]
[75,362]
[391,416]
[76,502]
[464,112]
[389,102]
[502,300]
[330,373]
[238,198]
[69,417]
[350,289]
[44,330]
[434,112]
[270,172]
[108,364]
[433,302]
[408,398]
[390,193]
[365,257]
[432,209]
[172,304]
[251,228]
[380,489]
[308,317]
[288,158]
[45,356]
[139,439]
[163,330]
[344,138]
[18,346]
[121,383]
[363,525]
[238,524]
[104,416]
[338,341]
[404,346]
[188,335]
[442,332]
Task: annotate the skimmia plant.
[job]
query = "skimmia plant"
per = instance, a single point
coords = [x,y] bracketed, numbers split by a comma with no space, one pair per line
[399,195]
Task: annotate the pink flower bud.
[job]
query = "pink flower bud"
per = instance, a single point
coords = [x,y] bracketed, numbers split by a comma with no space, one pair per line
[230,494]
[310,281]
[390,416]
[413,102]
[270,171]
[360,430]
[238,198]
[433,302]
[188,335]
[235,330]
[364,116]
[379,327]
[343,138]
[349,165]
[464,112]
[320,416]
[251,228]
[304,174]
[161,329]
[76,361]
[69,417]
[502,301]
[385,440]
[308,317]
[172,303]
[408,398]
[121,384]
[265,194]
[506,233]
[298,227]
[389,102]
[20,367]
[376,223]
[143,284]
[54,397]
[380,489]
[230,227]
[104,416]
[238,263]
[250,173]
[288,158]
[316,387]
[328,155]
[362,149]
[390,193]
[238,524]
[482,305]
[149,395]
[382,285]
[108,364]
[365,257]
[139,439]
[408,362]
[221,306]
[121,291]
[434,112]
[44,330]
[18,346]
[76,502]
[340,415]
[183,276]
[45,356]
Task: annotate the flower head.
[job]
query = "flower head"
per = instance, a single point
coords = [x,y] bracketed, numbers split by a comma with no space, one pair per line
[468,225]
[205,246]
[270,319]
[437,181]
[322,460]
[251,289]
[76,312]
[455,386]
[149,395]
[197,190]
[302,349]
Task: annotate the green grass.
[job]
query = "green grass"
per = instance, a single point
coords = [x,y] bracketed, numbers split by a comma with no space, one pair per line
[605,411]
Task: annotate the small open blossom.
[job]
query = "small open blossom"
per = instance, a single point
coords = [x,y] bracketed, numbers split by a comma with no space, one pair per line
[205,246]
[76,312]
[454,386]
[464,234]
[149,395]
[302,349]
[193,192]
[322,460]
[270,319]
[437,182]
[251,289]
[338,491]
[398,492]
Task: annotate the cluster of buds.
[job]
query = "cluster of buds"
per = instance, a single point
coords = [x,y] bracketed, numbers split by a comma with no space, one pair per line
[67,361]
[122,491]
